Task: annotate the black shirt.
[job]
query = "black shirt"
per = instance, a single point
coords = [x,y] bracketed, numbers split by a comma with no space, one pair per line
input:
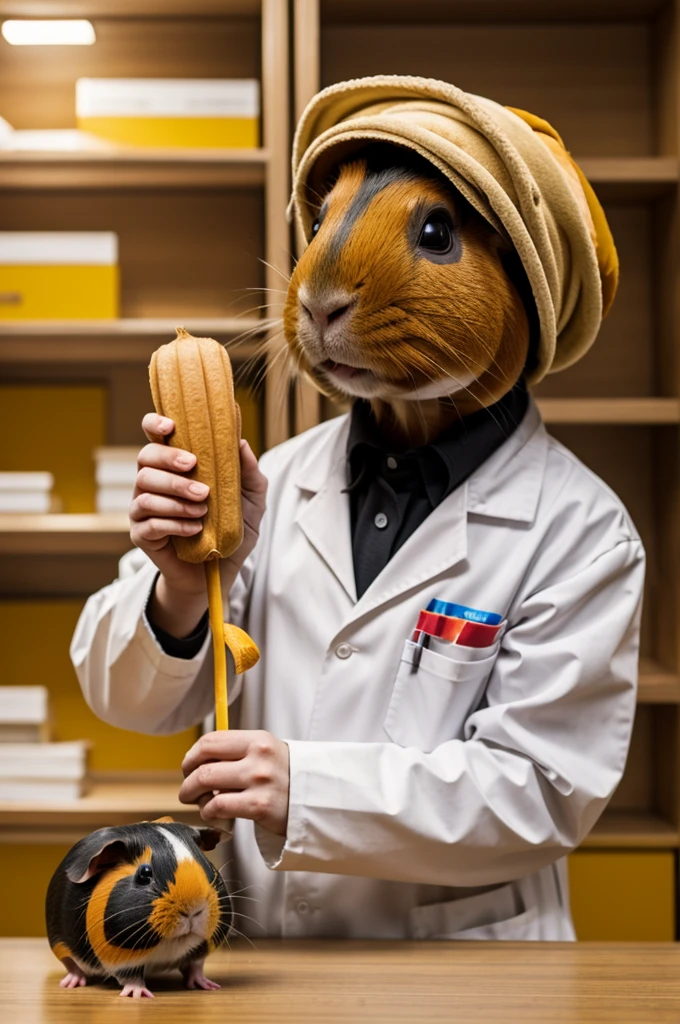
[391,493]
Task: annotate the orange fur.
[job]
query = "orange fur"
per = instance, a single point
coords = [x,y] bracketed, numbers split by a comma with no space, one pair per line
[189,889]
[411,321]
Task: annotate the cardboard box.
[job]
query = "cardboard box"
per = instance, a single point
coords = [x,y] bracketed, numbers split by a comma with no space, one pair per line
[194,113]
[52,275]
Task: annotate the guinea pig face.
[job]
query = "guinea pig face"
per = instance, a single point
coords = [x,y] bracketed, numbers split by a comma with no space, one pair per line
[160,900]
[402,294]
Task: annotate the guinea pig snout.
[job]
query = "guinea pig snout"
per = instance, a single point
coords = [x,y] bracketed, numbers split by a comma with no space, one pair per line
[325,314]
[194,919]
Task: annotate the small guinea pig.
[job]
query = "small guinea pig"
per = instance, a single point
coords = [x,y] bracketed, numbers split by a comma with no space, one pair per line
[138,897]
[406,293]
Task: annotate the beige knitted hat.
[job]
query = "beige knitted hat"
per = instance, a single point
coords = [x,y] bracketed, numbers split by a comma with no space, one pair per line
[510,165]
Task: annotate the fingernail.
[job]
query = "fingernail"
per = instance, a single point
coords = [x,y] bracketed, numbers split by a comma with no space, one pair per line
[200,490]
[165,424]
[184,461]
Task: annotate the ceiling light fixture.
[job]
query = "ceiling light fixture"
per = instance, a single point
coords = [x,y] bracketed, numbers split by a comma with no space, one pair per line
[71,32]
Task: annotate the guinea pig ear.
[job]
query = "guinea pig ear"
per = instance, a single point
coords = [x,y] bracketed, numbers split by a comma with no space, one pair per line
[101,850]
[208,838]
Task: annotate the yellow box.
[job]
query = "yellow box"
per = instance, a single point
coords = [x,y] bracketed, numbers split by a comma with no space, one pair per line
[55,275]
[195,113]
[623,895]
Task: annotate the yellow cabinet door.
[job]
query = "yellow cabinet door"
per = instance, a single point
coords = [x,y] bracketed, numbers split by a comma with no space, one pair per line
[626,895]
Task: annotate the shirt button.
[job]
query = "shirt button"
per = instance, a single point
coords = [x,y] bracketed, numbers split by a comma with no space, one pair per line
[381,520]
[391,462]
[302,907]
[343,651]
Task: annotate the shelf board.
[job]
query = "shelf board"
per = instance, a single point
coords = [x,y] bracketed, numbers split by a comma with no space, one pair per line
[107,803]
[630,177]
[613,177]
[133,168]
[128,8]
[405,11]
[610,410]
[119,341]
[657,684]
[632,829]
[76,534]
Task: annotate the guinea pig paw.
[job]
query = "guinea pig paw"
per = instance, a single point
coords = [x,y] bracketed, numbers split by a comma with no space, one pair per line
[194,977]
[74,979]
[137,990]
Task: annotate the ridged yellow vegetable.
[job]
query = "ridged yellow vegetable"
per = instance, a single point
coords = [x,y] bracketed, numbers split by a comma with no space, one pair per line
[192,384]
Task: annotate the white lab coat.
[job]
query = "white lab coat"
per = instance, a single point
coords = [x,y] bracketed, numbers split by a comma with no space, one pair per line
[410,793]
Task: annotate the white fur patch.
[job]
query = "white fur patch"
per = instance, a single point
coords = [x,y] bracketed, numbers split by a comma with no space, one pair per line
[180,848]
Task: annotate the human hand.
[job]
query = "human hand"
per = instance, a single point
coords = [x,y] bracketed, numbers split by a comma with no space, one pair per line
[239,774]
[165,504]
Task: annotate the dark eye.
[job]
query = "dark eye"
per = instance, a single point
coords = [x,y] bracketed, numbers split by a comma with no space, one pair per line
[315,226]
[437,233]
[143,874]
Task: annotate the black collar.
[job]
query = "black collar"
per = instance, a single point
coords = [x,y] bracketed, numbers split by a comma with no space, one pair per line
[448,460]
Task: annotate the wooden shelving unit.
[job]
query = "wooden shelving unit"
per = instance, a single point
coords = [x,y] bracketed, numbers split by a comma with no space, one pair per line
[203,243]
[606,75]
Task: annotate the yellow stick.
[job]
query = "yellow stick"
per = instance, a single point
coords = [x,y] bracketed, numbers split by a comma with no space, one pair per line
[212,572]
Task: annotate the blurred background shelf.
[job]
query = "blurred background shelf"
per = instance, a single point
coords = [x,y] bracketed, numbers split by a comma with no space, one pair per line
[107,803]
[131,339]
[657,684]
[451,11]
[76,534]
[617,829]
[134,168]
[610,410]
[129,8]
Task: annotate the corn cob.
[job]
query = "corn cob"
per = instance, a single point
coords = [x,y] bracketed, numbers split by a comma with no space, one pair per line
[192,384]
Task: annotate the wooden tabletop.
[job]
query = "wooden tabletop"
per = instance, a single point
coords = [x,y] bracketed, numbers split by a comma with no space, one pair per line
[378,982]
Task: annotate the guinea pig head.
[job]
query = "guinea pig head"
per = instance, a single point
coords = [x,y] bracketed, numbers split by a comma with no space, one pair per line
[153,892]
[404,293]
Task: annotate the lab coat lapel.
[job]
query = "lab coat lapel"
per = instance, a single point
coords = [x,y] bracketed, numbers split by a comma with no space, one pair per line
[325,518]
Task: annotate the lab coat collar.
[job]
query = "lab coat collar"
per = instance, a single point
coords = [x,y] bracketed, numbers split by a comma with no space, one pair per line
[507,486]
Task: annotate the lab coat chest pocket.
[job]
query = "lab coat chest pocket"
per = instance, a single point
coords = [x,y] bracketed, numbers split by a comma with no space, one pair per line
[430,705]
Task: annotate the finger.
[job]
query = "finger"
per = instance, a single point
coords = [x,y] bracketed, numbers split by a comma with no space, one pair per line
[246,804]
[157,427]
[252,478]
[218,746]
[146,505]
[158,481]
[159,456]
[214,776]
[151,530]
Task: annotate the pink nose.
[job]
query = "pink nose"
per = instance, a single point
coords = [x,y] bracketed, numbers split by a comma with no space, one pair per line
[325,311]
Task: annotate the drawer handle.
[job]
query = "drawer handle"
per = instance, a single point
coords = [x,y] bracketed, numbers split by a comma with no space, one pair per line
[11,298]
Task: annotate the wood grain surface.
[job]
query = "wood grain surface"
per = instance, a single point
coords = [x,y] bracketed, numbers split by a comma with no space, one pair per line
[323,981]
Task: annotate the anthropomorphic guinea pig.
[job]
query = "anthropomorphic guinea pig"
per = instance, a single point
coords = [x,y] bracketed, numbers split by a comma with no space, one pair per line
[407,297]
[133,898]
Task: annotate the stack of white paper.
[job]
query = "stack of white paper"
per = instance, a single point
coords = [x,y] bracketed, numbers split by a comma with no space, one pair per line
[24,714]
[115,474]
[43,771]
[26,492]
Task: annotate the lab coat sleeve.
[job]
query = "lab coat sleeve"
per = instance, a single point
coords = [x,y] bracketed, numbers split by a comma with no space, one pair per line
[535,769]
[126,677]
